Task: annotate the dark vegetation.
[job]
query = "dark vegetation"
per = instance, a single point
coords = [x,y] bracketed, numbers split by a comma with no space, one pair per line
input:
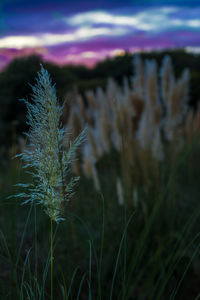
[161,251]
[15,82]
[162,242]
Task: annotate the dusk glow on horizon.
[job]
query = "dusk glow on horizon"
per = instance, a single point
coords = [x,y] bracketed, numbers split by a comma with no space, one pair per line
[76,32]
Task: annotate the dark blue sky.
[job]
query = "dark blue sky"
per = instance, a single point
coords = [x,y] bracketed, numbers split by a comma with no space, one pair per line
[87,31]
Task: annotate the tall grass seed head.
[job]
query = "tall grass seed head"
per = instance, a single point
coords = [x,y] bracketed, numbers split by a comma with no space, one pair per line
[46,155]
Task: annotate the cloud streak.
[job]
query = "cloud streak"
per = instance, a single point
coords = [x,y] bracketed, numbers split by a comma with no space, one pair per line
[155,20]
[51,39]
[89,36]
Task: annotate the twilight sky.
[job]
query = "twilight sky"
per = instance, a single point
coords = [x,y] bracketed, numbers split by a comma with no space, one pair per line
[87,31]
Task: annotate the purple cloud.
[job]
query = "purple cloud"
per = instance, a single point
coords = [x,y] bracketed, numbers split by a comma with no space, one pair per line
[64,35]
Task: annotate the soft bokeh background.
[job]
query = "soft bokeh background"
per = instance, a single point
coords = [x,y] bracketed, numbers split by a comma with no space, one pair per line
[130,72]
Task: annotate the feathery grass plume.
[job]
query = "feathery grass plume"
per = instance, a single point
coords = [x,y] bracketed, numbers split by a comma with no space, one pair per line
[144,132]
[87,161]
[68,104]
[167,77]
[92,139]
[139,76]
[91,99]
[89,167]
[149,114]
[138,108]
[81,105]
[111,90]
[75,122]
[179,99]
[50,163]
[126,89]
[152,98]
[100,98]
[177,104]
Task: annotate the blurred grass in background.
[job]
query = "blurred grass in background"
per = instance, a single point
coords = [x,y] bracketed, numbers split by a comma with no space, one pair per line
[149,251]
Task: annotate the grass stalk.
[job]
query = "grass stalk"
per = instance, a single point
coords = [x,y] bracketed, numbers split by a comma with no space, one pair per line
[101,249]
[51,259]
[35,227]
[118,256]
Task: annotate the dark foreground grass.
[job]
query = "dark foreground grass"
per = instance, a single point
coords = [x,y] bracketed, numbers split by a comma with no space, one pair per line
[153,255]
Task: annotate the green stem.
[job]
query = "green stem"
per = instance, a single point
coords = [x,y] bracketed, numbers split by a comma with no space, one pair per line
[51,259]
[36,259]
[101,250]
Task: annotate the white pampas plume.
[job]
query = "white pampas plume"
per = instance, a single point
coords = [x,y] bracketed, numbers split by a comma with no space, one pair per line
[91,100]
[49,162]
[177,104]
[178,99]
[94,143]
[100,98]
[139,76]
[126,89]
[89,167]
[151,95]
[88,161]
[111,91]
[81,105]
[75,121]
[138,107]
[144,132]
[167,77]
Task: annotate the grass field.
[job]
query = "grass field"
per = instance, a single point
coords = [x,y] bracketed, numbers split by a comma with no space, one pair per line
[132,230]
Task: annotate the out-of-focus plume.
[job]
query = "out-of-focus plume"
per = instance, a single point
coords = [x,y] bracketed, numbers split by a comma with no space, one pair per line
[151,95]
[139,76]
[119,188]
[137,121]
[177,104]
[167,77]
